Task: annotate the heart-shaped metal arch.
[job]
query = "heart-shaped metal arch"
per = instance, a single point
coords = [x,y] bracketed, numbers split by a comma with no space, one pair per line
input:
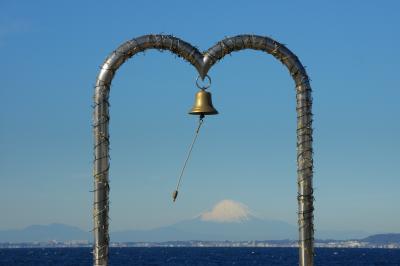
[203,62]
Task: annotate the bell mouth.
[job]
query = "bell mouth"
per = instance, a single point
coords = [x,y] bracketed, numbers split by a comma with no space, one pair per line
[203,112]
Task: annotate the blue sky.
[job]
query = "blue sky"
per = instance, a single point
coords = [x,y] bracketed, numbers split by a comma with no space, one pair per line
[51,52]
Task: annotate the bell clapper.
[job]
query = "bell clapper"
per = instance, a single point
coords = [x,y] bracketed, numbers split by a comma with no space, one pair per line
[175,193]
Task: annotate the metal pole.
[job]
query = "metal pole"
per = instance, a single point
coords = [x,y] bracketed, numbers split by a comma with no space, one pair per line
[305,196]
[203,62]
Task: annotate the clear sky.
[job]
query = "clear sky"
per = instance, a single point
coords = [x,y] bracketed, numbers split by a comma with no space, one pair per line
[51,52]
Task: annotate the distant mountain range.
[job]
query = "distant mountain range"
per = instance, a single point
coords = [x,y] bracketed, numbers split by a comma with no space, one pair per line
[383,239]
[195,229]
[227,220]
[44,233]
[251,228]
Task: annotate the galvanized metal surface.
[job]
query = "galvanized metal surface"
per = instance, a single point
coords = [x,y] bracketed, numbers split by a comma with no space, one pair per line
[202,62]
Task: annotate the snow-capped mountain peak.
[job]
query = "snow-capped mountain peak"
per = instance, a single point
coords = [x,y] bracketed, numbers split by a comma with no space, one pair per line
[227,211]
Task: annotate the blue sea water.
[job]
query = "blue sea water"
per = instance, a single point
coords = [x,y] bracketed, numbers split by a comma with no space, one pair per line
[199,256]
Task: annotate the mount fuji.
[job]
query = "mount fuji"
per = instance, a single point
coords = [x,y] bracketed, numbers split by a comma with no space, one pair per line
[228,220]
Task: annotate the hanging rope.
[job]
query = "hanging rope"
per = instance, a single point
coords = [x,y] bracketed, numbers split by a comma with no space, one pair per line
[175,193]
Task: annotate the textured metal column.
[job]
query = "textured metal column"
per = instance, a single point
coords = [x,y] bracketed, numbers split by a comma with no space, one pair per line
[305,196]
[202,62]
[304,175]
[100,126]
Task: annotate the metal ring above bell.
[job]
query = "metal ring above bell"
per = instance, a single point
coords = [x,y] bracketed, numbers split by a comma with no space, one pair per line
[204,87]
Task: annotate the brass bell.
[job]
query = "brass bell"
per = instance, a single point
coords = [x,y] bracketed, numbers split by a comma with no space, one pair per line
[203,104]
[202,107]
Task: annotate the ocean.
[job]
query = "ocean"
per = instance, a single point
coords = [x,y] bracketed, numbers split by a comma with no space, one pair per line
[199,256]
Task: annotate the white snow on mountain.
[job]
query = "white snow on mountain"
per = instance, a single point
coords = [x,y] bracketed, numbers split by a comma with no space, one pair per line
[227,211]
